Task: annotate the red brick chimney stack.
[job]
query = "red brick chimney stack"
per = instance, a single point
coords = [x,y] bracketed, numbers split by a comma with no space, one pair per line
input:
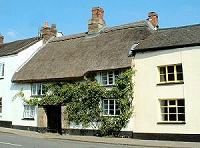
[1,40]
[153,19]
[97,22]
[48,32]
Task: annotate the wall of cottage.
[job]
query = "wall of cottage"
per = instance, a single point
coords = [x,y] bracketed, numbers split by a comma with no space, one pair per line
[147,92]
[12,110]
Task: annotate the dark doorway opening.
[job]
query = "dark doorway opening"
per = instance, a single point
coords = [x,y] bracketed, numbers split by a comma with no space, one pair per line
[54,119]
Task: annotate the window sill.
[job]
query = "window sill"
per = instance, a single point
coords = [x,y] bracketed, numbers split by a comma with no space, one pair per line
[110,115]
[171,122]
[38,96]
[170,83]
[28,119]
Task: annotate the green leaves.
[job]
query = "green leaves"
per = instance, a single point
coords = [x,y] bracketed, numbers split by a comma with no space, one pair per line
[83,102]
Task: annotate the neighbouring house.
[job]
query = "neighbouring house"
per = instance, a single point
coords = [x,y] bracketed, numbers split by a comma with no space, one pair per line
[166,85]
[14,55]
[102,51]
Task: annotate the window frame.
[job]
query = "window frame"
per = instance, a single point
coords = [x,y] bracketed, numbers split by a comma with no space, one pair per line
[166,74]
[2,70]
[36,86]
[108,76]
[29,112]
[108,107]
[168,112]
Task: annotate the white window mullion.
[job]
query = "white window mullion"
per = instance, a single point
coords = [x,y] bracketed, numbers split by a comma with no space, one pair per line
[175,73]
[166,73]
[114,108]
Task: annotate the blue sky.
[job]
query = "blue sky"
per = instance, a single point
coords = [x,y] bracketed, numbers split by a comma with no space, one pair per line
[23,18]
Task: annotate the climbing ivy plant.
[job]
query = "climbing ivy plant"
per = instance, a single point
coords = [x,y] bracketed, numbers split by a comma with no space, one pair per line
[83,102]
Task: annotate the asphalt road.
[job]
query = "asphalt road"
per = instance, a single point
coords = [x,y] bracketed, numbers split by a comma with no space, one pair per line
[15,141]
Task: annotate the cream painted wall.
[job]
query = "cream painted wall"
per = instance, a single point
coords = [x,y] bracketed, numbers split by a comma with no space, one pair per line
[147,92]
[12,110]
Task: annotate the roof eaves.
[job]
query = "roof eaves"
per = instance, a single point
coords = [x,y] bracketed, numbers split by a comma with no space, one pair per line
[134,51]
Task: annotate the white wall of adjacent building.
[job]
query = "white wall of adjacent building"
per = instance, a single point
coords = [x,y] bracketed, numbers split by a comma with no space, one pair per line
[147,92]
[12,110]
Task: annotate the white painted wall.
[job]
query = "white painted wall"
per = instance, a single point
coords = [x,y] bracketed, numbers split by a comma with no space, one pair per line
[147,93]
[13,110]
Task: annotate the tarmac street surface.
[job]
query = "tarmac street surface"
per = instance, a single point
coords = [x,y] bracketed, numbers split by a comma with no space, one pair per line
[15,141]
[13,138]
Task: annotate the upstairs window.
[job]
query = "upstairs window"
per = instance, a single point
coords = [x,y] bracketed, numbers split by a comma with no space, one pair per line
[1,70]
[172,110]
[171,73]
[109,77]
[29,112]
[110,107]
[37,89]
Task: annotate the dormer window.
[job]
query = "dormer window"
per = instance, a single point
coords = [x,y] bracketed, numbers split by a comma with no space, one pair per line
[37,89]
[108,78]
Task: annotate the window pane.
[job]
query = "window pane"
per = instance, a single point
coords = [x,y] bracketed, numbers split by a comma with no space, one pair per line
[181,109]
[33,89]
[179,68]
[105,102]
[111,112]
[180,76]
[163,102]
[111,106]
[43,89]
[116,73]
[104,78]
[162,70]
[162,78]
[29,111]
[172,102]
[170,69]
[165,117]
[111,102]
[39,89]
[105,112]
[171,77]
[181,117]
[172,117]
[181,102]
[172,110]
[110,78]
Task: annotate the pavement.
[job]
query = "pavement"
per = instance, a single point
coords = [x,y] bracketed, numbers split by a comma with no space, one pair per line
[105,140]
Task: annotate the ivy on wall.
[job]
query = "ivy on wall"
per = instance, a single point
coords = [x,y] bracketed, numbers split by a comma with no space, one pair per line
[83,102]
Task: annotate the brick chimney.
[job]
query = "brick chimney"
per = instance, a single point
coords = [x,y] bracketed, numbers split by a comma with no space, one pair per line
[47,32]
[1,40]
[97,22]
[153,19]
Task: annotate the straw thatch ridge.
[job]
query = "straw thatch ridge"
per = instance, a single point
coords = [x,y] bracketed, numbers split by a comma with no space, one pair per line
[75,55]
[17,46]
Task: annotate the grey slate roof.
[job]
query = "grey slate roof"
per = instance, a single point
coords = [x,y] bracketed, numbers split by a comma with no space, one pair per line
[170,38]
[74,56]
[16,46]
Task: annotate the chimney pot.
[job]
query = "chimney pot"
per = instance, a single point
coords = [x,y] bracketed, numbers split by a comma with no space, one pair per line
[97,22]
[48,32]
[1,40]
[153,19]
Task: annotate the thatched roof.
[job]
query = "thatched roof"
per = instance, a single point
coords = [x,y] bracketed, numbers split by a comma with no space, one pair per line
[170,38]
[75,55]
[16,46]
